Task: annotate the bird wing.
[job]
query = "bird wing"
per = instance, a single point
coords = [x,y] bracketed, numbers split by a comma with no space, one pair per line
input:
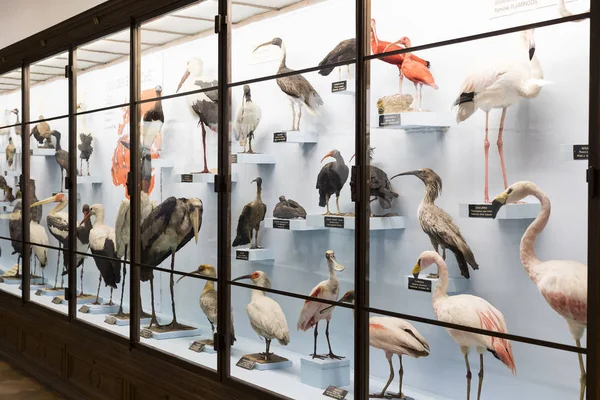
[564,286]
[299,87]
[264,212]
[153,226]
[208,303]
[122,227]
[439,224]
[267,315]
[213,95]
[398,336]
[58,225]
[242,232]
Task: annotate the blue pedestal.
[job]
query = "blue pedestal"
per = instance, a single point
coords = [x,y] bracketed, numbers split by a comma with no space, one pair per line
[323,373]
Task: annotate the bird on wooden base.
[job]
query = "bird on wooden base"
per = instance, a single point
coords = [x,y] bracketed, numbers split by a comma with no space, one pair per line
[344,51]
[562,283]
[252,215]
[246,120]
[331,180]
[265,314]
[380,186]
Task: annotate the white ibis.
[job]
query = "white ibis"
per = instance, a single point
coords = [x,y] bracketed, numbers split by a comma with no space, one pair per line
[153,120]
[563,283]
[501,85]
[314,311]
[168,227]
[102,243]
[331,180]
[246,120]
[344,51]
[11,150]
[471,311]
[15,227]
[62,159]
[265,314]
[42,133]
[204,104]
[208,298]
[252,215]
[299,90]
[438,224]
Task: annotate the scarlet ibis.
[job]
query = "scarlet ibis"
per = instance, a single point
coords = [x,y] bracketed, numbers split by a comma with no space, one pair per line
[296,87]
[471,311]
[265,314]
[562,283]
[246,120]
[344,51]
[252,215]
[331,180]
[313,311]
[417,73]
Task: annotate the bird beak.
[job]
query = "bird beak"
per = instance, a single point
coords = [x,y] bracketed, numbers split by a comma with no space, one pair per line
[239,278]
[195,272]
[531,53]
[336,265]
[262,45]
[416,270]
[351,158]
[415,172]
[253,181]
[195,215]
[498,202]
[86,216]
[327,155]
[183,78]
[45,201]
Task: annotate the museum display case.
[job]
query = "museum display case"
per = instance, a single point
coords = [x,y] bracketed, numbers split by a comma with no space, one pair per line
[317,199]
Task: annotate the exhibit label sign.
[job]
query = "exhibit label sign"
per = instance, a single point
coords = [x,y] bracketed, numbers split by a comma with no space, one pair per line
[187,178]
[146,333]
[504,8]
[242,255]
[281,224]
[110,320]
[84,309]
[340,86]
[581,151]
[334,222]
[389,120]
[422,285]
[279,137]
[335,393]
[197,346]
[246,363]
[480,211]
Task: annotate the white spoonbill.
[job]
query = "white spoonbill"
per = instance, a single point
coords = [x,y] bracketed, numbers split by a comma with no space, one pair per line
[471,311]
[563,283]
[313,311]
[501,85]
[265,314]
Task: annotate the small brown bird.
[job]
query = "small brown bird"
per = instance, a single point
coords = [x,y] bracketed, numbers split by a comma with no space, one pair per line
[10,153]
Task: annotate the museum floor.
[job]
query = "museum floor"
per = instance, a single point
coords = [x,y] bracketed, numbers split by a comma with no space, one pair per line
[16,385]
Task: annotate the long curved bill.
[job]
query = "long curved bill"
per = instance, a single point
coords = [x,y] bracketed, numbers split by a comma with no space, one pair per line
[194,272]
[86,216]
[327,155]
[195,215]
[261,45]
[239,278]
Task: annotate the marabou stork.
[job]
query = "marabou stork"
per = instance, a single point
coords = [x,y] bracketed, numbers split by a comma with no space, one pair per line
[18,127]
[168,227]
[62,158]
[288,209]
[296,87]
[313,311]
[252,215]
[208,298]
[438,224]
[380,185]
[265,314]
[344,51]
[42,133]
[153,120]
[11,150]
[204,104]
[331,180]
[102,243]
[85,151]
[247,120]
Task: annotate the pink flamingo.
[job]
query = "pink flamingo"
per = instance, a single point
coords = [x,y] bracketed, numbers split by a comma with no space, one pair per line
[471,311]
[563,283]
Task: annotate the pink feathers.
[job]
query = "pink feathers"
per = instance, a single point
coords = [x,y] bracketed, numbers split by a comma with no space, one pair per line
[502,349]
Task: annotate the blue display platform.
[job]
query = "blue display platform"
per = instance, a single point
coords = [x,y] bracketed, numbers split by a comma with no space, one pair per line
[323,373]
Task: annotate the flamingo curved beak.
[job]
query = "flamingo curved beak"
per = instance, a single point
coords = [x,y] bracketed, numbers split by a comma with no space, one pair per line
[498,202]
[416,270]
[183,79]
[327,155]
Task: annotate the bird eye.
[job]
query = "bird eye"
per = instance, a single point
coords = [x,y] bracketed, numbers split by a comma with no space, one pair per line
[509,191]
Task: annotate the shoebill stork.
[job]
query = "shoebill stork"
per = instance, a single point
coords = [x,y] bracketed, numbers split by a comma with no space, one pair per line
[153,120]
[331,180]
[11,150]
[42,133]
[265,314]
[204,104]
[246,120]
[288,209]
[62,158]
[313,311]
[168,227]
[252,215]
[299,91]
[394,336]
[103,243]
[208,298]
[344,51]
[380,186]
[470,311]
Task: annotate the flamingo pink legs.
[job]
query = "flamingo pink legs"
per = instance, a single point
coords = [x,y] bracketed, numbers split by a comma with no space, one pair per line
[486,149]
[500,144]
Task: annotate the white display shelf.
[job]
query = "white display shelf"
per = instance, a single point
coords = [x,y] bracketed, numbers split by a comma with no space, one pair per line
[509,211]
[344,222]
[456,285]
[6,207]
[295,137]
[88,180]
[49,292]
[42,152]
[297,224]
[11,280]
[98,308]
[162,162]
[247,254]
[415,122]
[344,87]
[14,174]
[172,334]
[200,178]
[125,321]
[245,158]
[574,152]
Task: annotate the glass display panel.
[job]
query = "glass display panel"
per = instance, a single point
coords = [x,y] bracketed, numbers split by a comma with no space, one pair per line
[290,369]
[103,72]
[10,101]
[49,88]
[11,275]
[48,281]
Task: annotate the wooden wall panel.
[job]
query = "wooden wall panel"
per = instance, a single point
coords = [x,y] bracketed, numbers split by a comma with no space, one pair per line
[9,334]
[92,377]
[50,356]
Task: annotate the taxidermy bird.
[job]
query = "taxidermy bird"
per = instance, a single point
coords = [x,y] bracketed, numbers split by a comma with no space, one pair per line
[8,194]
[62,158]
[153,120]
[42,133]
[247,120]
[564,12]
[438,224]
[208,298]
[85,151]
[6,121]
[265,314]
[331,180]
[344,51]
[10,154]
[288,209]
[500,85]
[417,73]
[252,215]
[380,185]
[299,91]
[562,283]
[470,311]
[18,127]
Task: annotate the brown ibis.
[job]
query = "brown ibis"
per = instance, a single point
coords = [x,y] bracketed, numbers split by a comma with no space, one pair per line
[62,159]
[331,180]
[246,120]
[8,194]
[288,209]
[153,120]
[252,215]
[344,51]
[380,186]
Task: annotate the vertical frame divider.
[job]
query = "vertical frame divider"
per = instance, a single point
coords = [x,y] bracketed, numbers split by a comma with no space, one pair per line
[71,291]
[223,28]
[361,248]
[24,179]
[133,185]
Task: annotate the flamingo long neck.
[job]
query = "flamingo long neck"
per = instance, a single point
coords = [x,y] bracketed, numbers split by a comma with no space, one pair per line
[441,289]
[59,207]
[528,257]
[533,86]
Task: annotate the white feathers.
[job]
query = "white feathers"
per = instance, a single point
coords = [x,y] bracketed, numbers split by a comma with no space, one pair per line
[395,335]
[38,235]
[246,121]
[267,319]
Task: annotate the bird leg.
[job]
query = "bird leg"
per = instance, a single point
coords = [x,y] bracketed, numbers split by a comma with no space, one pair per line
[314,354]
[81,278]
[486,150]
[500,144]
[337,203]
[401,80]
[339,73]
[153,320]
[120,312]
[465,351]
[582,379]
[57,265]
[349,74]
[480,376]
[97,302]
[80,167]
[398,395]
[266,353]
[88,166]
[382,394]
[250,137]
[293,115]
[331,355]
[205,170]
[173,324]
[62,179]
[299,117]
[416,100]
[327,205]
[420,97]
[110,302]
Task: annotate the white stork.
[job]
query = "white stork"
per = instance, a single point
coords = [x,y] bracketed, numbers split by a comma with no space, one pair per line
[265,314]
[247,120]
[313,311]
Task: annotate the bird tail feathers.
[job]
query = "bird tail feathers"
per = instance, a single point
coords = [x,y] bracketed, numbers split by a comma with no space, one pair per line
[466,106]
[322,202]
[502,350]
[284,340]
[241,239]
[462,264]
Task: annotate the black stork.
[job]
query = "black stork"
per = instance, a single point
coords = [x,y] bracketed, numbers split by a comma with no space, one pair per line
[153,120]
[331,180]
[344,51]
[62,158]
[252,215]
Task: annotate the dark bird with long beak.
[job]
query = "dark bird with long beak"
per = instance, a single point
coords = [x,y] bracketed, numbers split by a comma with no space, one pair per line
[331,180]
[252,215]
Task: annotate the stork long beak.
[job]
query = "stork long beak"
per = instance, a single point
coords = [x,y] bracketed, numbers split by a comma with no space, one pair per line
[262,45]
[183,79]
[336,265]
[415,172]
[195,272]
[327,155]
[498,202]
[85,218]
[195,215]
[239,278]
[45,201]
[416,270]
